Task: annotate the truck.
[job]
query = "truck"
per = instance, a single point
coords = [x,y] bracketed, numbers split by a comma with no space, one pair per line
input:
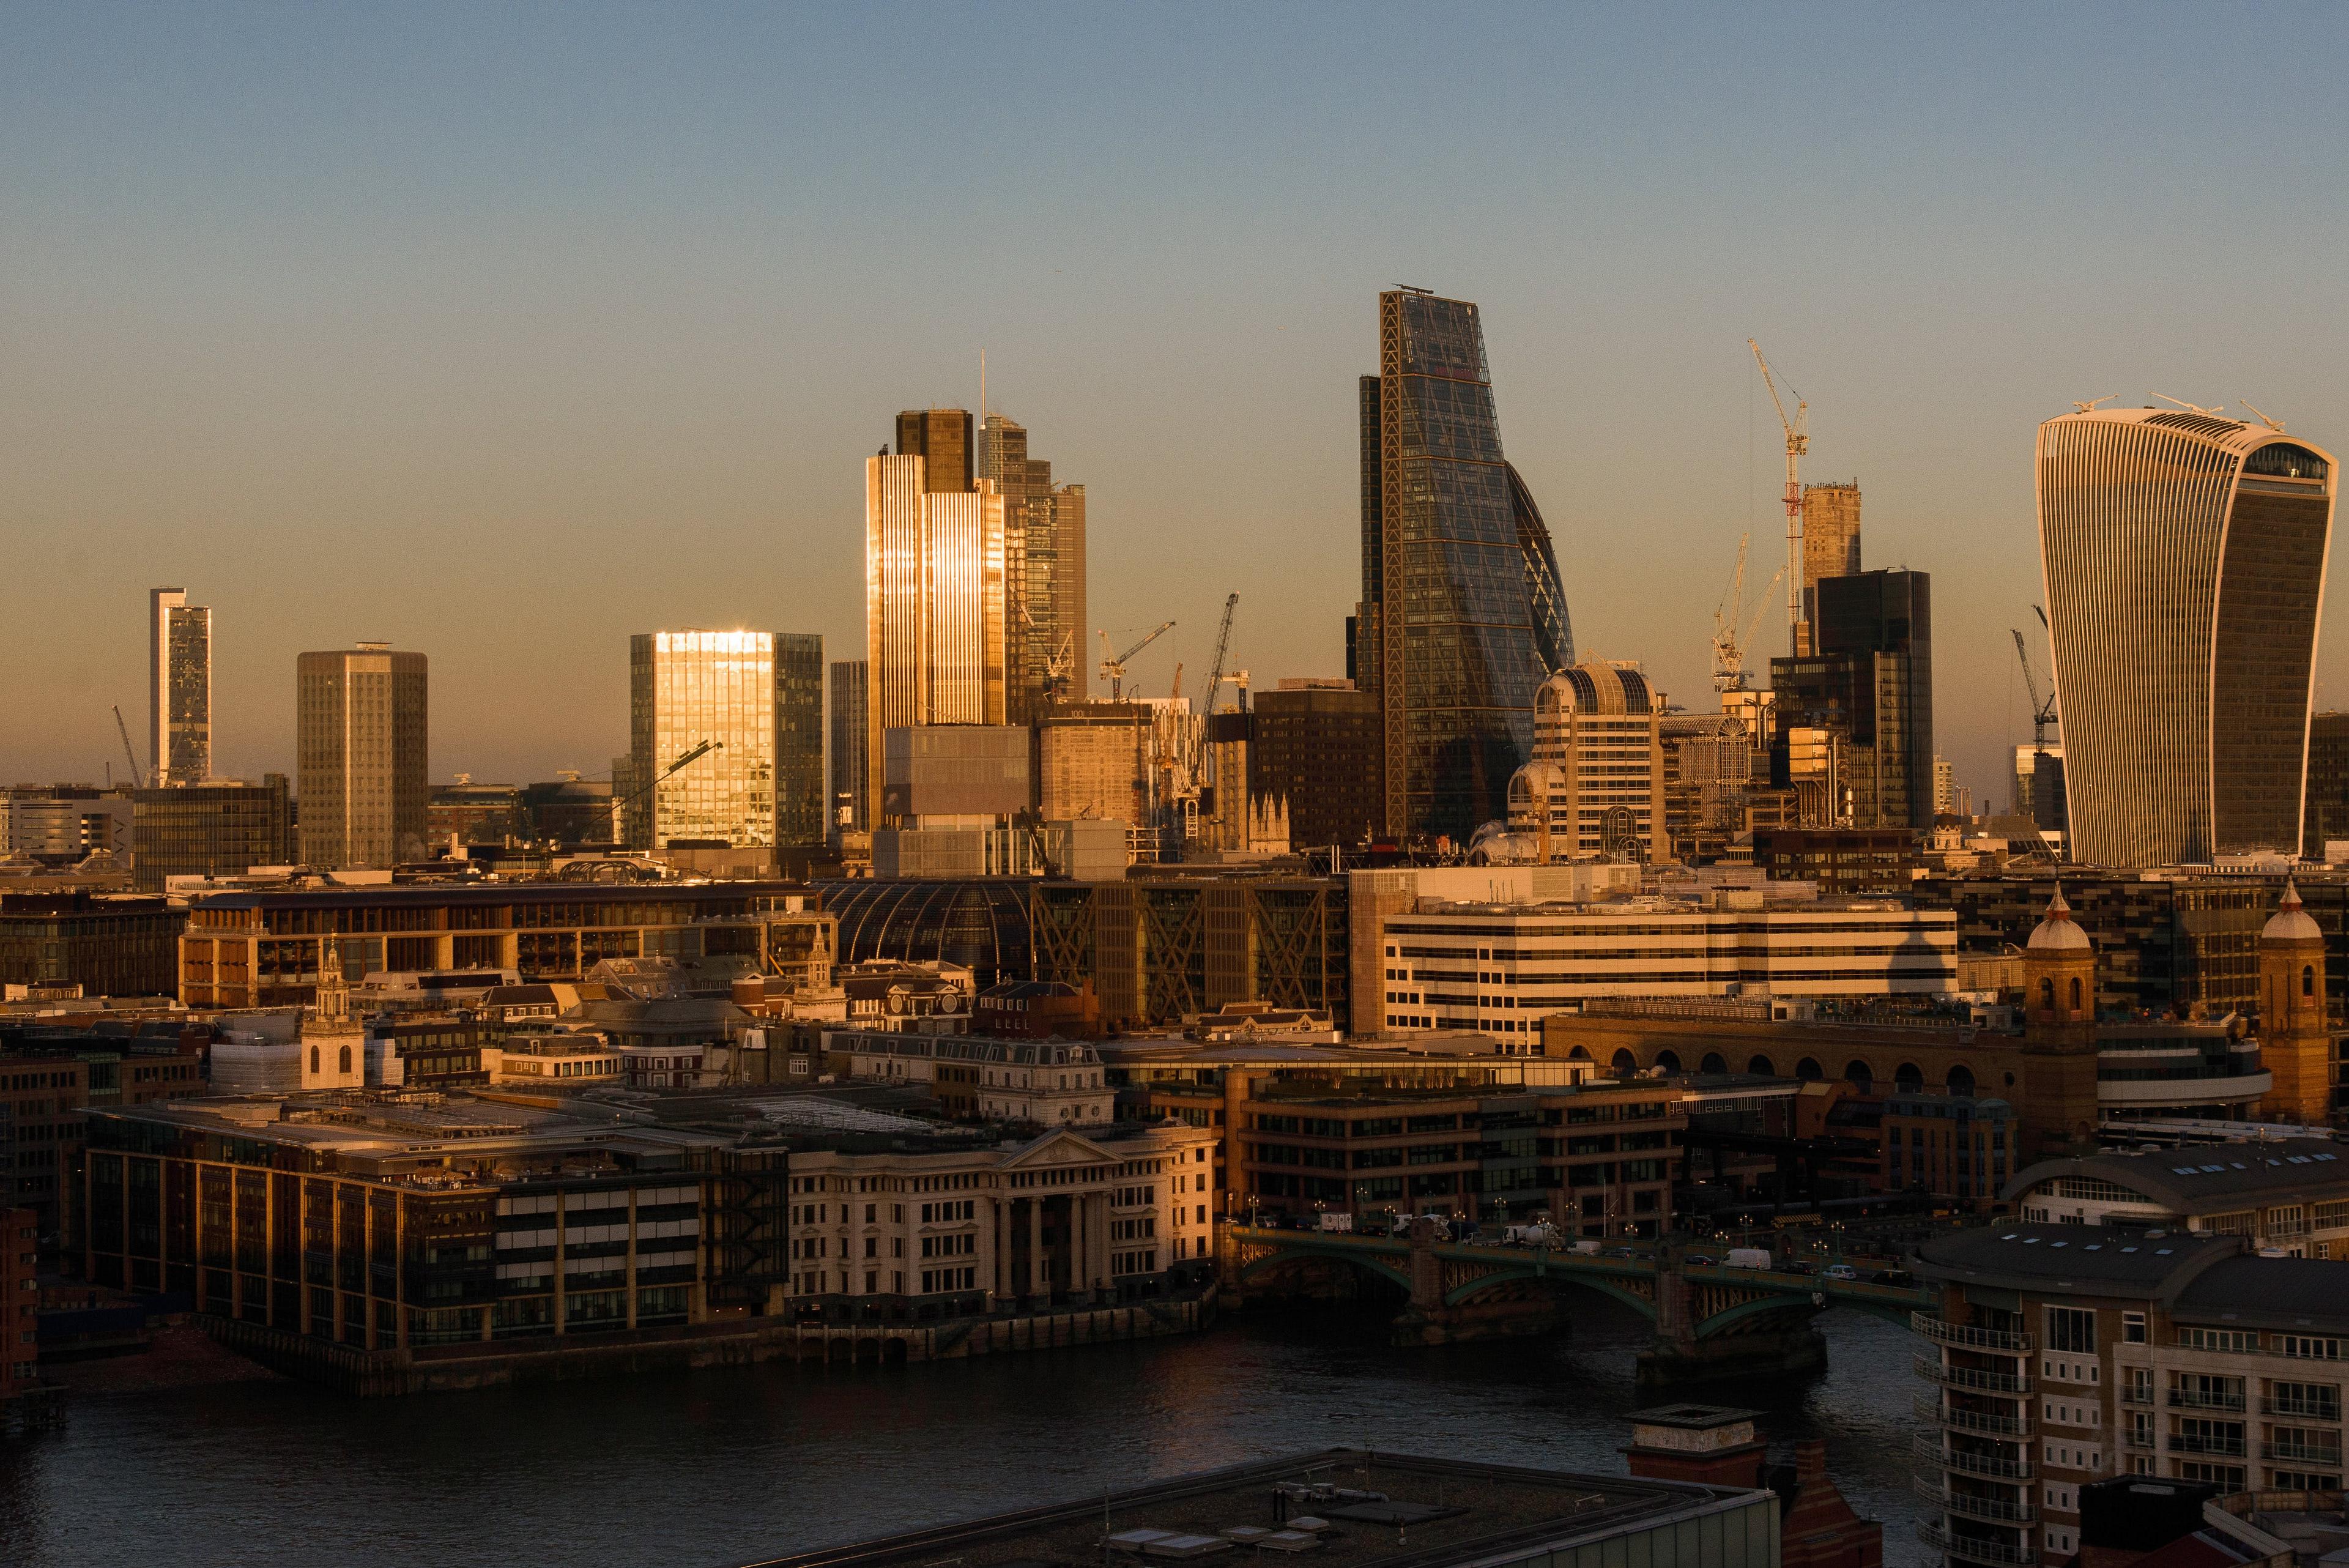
[1344,1222]
[1748,1258]
[1540,1235]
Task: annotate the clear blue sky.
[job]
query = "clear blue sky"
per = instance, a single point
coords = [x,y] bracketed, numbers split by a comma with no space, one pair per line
[503,332]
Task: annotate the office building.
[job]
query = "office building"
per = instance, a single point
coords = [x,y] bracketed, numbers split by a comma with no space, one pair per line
[1096,761]
[949,795]
[1830,547]
[222,828]
[2063,1356]
[1708,780]
[1045,555]
[108,944]
[1462,614]
[1313,751]
[178,689]
[571,812]
[63,823]
[755,699]
[466,812]
[851,802]
[361,735]
[934,580]
[2327,816]
[1945,787]
[1854,719]
[1595,788]
[2039,792]
[2184,557]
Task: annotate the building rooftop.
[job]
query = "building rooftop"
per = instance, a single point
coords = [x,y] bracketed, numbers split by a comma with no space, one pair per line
[2194,1181]
[1342,1506]
[2073,1260]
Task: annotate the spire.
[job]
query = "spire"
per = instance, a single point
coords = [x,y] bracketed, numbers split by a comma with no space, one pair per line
[2057,910]
[2291,899]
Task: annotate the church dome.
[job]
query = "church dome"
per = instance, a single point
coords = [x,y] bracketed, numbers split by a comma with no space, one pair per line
[2059,931]
[2291,923]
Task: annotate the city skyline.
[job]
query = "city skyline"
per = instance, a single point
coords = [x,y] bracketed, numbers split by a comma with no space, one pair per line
[1973,304]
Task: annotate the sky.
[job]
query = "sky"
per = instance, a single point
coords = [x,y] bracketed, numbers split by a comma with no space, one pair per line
[503,332]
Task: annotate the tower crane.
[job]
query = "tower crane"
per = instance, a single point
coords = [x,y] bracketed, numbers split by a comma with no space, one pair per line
[1733,623]
[700,750]
[1798,442]
[1056,663]
[2042,712]
[1223,646]
[138,779]
[1112,664]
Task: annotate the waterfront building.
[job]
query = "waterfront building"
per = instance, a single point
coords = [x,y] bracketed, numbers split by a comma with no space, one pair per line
[1313,751]
[757,697]
[935,584]
[1462,613]
[2290,1195]
[273,948]
[1869,687]
[1168,942]
[2065,1355]
[1956,1149]
[2184,559]
[1044,553]
[178,689]
[222,827]
[1595,788]
[1830,549]
[362,736]
[850,800]
[108,944]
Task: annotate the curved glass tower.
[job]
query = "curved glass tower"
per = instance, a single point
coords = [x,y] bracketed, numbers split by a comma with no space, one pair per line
[2184,558]
[1462,614]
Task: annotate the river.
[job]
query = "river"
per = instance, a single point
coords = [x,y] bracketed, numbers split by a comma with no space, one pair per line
[710,1468]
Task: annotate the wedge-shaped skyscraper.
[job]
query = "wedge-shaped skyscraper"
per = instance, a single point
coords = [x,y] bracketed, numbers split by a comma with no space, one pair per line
[2184,557]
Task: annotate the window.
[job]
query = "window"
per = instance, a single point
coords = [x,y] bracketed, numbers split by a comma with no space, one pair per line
[2237,1340]
[2306,1347]
[2133,1328]
[2071,1329]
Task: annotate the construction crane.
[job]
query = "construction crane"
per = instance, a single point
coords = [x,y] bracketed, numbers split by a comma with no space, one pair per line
[1112,664]
[138,779]
[2043,714]
[2190,408]
[1059,662]
[1798,442]
[1223,646]
[699,752]
[1733,623]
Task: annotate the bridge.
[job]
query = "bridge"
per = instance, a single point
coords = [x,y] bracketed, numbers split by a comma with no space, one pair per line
[1711,1320]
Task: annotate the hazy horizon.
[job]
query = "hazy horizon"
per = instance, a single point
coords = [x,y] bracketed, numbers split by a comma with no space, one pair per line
[502,335]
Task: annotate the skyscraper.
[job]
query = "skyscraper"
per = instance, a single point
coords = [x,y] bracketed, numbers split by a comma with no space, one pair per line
[178,689]
[1830,545]
[1044,570]
[1596,785]
[2184,558]
[1861,707]
[361,736]
[757,695]
[935,572]
[851,764]
[1461,616]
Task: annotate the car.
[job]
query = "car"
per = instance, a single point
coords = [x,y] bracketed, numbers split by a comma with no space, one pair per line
[1892,1277]
[1842,1271]
[1701,1259]
[1621,1252]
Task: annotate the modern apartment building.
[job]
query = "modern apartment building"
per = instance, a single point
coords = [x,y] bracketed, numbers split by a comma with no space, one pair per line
[178,689]
[755,700]
[1595,788]
[936,576]
[1462,614]
[362,736]
[2061,1355]
[2291,1195]
[2184,557]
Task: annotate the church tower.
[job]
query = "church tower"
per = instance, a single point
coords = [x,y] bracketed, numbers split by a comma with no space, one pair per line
[2295,1041]
[2059,1038]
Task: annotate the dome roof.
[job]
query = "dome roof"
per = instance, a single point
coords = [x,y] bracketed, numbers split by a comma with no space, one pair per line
[2059,932]
[2291,923]
[1598,686]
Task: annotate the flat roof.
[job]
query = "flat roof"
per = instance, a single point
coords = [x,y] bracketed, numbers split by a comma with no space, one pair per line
[491,893]
[2194,1180]
[1393,1509]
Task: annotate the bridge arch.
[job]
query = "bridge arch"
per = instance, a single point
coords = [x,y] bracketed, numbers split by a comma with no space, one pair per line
[1304,1252]
[1469,1289]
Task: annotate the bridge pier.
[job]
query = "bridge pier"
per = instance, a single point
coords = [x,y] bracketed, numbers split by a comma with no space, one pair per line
[1772,1346]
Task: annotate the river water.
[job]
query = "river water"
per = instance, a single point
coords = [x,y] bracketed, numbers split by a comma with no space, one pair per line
[710,1468]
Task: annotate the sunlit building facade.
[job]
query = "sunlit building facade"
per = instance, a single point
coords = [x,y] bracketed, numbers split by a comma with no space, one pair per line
[1044,571]
[1830,549]
[934,601]
[1596,785]
[1462,615]
[361,735]
[178,689]
[2184,560]
[758,696]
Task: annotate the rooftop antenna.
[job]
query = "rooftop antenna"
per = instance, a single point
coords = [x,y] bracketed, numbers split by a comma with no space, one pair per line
[2275,425]
[2190,408]
[2090,406]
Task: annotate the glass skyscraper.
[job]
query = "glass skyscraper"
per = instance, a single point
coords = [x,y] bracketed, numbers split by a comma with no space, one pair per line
[759,696]
[2184,557]
[178,689]
[1462,615]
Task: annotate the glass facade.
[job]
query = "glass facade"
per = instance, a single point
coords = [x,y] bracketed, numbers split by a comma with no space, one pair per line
[756,694]
[2184,559]
[1463,611]
[852,763]
[180,692]
[361,732]
[982,924]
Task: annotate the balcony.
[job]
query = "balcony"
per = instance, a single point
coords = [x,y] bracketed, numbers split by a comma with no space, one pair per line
[2139,1440]
[2131,1394]
[2295,1454]
[1983,1421]
[1998,1554]
[2015,1385]
[1963,1336]
[2299,1411]
[1988,1467]
[1991,1510]
[2219,1447]
[2192,1399]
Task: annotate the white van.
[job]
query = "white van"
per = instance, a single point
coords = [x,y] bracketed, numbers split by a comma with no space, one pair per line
[1748,1258]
